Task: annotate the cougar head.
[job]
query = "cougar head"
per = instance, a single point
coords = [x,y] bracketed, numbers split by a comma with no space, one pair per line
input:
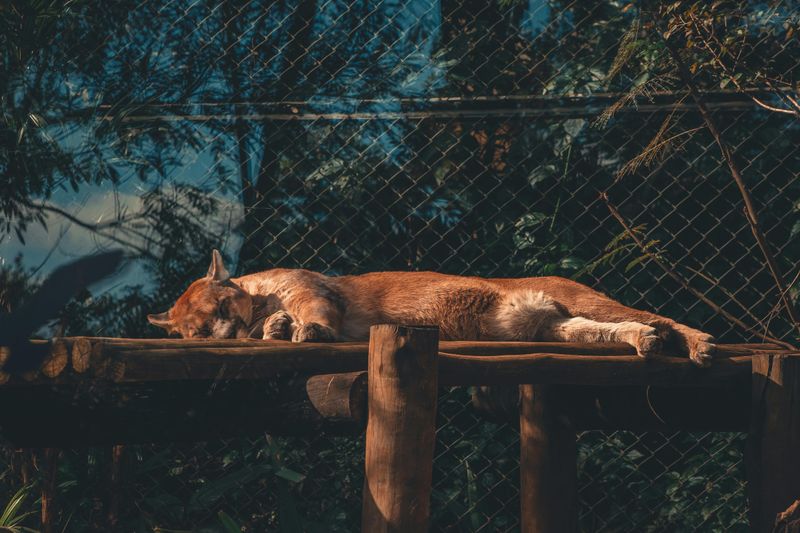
[212,307]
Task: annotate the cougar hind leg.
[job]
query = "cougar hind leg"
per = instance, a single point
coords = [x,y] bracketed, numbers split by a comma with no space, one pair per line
[644,338]
[530,315]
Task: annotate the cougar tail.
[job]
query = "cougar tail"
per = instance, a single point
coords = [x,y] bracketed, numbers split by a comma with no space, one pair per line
[522,314]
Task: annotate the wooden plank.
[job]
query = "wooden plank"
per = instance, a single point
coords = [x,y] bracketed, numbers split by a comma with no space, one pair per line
[773,461]
[548,463]
[401,429]
[457,347]
[141,366]
[586,370]
[144,360]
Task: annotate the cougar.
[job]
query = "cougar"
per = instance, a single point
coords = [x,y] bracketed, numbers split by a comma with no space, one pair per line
[303,306]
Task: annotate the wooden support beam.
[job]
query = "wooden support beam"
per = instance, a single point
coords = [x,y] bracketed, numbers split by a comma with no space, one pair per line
[547,368]
[49,516]
[460,362]
[548,463]
[401,428]
[773,458]
[115,488]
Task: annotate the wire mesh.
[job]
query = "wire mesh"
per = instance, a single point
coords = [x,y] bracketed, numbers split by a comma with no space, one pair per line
[345,137]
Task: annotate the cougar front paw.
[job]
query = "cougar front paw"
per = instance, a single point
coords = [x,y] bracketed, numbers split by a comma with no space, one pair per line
[278,326]
[313,332]
[701,350]
[648,343]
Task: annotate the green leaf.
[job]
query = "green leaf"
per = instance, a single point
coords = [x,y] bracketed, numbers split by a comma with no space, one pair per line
[215,490]
[636,261]
[290,475]
[228,523]
[13,506]
[571,263]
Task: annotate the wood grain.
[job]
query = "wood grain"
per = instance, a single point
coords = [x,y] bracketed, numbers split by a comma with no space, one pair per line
[773,461]
[401,428]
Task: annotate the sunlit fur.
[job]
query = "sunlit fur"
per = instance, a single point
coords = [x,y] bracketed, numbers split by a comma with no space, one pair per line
[319,307]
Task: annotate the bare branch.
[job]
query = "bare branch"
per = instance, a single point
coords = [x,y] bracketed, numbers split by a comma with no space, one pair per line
[98,229]
[718,60]
[685,284]
[750,210]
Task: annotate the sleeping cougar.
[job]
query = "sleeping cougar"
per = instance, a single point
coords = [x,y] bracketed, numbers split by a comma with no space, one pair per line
[306,306]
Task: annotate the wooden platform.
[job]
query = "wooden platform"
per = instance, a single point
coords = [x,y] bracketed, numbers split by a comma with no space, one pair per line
[109,390]
[90,391]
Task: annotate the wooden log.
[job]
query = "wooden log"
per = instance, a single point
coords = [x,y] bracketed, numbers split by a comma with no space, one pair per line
[548,463]
[401,428]
[202,363]
[151,360]
[456,347]
[49,489]
[501,348]
[636,408]
[339,396]
[115,488]
[586,370]
[5,353]
[258,361]
[57,360]
[773,461]
[98,360]
[81,353]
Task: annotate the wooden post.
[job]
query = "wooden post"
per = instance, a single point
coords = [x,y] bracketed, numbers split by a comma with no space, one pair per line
[548,463]
[49,489]
[115,487]
[773,462]
[401,427]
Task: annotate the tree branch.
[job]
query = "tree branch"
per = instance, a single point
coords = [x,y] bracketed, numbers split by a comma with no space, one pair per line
[750,210]
[685,284]
[718,59]
[94,228]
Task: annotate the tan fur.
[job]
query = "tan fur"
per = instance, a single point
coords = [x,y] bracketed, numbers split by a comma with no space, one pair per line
[318,307]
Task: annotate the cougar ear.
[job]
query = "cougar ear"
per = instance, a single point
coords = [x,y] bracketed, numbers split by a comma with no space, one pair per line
[217,270]
[161,320]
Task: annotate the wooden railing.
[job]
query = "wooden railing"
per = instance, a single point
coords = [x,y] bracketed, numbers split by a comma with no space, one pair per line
[107,390]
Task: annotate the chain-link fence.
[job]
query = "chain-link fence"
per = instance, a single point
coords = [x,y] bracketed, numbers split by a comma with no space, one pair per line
[465,137]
